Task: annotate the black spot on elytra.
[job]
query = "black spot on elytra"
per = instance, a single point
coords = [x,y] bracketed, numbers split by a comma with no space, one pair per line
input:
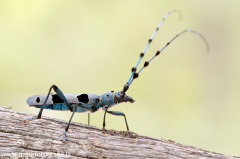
[56,99]
[38,100]
[83,98]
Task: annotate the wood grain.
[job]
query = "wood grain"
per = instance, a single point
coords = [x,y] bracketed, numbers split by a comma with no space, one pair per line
[43,137]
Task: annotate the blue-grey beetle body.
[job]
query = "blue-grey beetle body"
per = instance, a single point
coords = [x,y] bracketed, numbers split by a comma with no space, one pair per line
[92,102]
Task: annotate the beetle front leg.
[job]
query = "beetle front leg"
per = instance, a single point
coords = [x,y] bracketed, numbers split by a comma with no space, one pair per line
[59,93]
[106,108]
[118,113]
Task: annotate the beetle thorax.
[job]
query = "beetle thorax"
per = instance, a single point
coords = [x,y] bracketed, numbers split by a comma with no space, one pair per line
[112,98]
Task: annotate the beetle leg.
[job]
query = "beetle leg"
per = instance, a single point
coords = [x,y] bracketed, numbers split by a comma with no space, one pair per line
[66,129]
[118,113]
[106,108]
[59,93]
[88,118]
[81,105]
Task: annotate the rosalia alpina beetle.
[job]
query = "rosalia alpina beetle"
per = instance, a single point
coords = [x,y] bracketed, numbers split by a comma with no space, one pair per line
[86,102]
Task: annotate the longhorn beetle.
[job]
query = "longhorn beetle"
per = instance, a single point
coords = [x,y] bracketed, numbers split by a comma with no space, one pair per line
[92,102]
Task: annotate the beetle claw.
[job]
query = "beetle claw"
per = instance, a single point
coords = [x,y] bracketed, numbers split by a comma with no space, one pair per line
[29,119]
[103,131]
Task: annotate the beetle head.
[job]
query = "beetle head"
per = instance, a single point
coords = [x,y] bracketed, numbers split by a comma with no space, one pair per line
[123,97]
[129,99]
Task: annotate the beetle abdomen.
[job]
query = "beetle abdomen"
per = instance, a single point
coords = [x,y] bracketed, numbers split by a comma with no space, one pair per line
[61,106]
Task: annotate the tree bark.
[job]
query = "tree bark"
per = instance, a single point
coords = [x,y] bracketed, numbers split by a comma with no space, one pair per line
[42,139]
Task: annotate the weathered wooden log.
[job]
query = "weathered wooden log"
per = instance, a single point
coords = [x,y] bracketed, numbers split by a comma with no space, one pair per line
[42,138]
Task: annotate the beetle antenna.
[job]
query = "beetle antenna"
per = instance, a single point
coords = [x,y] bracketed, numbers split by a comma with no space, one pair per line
[149,42]
[135,75]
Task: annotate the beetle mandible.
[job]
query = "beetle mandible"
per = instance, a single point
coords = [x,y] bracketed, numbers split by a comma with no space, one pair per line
[86,102]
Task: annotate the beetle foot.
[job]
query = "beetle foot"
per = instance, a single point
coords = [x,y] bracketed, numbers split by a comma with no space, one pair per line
[103,131]
[29,119]
[64,136]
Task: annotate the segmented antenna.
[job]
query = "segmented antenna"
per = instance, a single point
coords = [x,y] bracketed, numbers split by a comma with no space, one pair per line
[134,69]
[135,75]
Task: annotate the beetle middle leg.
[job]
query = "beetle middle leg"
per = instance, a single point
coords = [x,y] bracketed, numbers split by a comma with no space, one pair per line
[66,129]
[88,118]
[59,93]
[81,105]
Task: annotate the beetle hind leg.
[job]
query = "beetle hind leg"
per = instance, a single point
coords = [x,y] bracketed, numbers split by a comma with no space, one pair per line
[59,93]
[29,119]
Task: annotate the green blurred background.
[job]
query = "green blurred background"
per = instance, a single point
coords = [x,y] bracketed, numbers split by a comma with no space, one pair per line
[185,95]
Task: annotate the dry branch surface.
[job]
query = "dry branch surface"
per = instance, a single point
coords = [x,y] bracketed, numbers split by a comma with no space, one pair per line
[43,137]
